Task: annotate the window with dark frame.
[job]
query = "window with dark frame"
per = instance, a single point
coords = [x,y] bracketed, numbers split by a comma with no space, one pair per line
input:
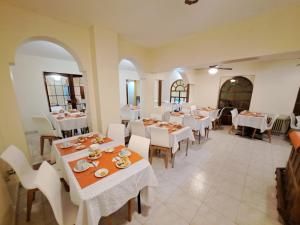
[179,92]
[63,89]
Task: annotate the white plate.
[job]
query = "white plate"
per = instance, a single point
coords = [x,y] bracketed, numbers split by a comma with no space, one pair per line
[67,146]
[80,147]
[101,172]
[109,150]
[122,167]
[126,155]
[95,157]
[84,169]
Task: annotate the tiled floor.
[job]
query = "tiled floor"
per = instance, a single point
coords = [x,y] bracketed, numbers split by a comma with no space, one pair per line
[225,180]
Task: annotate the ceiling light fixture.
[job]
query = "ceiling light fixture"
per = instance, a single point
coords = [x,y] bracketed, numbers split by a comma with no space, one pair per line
[190,2]
[232,80]
[213,70]
[56,77]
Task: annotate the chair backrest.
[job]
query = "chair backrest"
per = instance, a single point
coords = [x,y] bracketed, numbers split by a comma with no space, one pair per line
[140,145]
[234,113]
[56,108]
[220,113]
[156,116]
[176,119]
[160,137]
[186,110]
[125,113]
[272,121]
[116,132]
[138,128]
[193,108]
[189,121]
[43,125]
[18,161]
[48,182]
[293,121]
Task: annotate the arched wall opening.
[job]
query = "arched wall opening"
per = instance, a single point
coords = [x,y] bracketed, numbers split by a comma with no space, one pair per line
[42,73]
[129,84]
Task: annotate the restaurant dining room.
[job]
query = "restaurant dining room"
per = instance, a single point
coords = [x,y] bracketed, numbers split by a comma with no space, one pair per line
[174,112]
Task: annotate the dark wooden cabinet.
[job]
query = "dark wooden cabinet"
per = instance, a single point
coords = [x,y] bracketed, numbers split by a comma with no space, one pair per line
[288,185]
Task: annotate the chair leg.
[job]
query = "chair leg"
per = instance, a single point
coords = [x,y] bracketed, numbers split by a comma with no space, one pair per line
[167,159]
[42,138]
[200,136]
[139,203]
[150,154]
[253,133]
[129,204]
[30,196]
[173,159]
[187,147]
[269,135]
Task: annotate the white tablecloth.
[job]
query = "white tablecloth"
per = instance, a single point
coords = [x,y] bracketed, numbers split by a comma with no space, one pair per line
[258,122]
[68,123]
[175,137]
[109,194]
[212,114]
[201,124]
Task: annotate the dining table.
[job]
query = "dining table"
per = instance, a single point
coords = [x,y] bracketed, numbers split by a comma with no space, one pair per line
[254,120]
[101,196]
[177,133]
[211,112]
[68,121]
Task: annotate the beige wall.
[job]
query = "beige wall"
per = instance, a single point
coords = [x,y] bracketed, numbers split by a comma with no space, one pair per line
[275,85]
[274,32]
[18,26]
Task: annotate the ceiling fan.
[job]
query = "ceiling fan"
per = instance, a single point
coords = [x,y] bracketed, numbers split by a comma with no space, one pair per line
[215,68]
[190,2]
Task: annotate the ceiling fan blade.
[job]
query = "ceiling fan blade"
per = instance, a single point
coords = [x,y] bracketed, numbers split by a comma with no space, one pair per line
[298,64]
[213,66]
[223,68]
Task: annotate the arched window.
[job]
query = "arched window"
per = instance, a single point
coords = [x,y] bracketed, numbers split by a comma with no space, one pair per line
[179,92]
[235,93]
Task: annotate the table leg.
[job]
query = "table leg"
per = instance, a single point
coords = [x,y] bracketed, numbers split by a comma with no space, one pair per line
[243,130]
[187,146]
[139,203]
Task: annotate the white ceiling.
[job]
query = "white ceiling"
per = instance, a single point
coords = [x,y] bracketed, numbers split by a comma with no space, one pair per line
[151,22]
[45,49]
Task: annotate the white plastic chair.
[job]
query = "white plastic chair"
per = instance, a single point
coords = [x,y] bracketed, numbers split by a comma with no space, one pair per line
[193,108]
[140,145]
[116,132]
[218,119]
[138,128]
[156,116]
[176,119]
[273,118]
[48,182]
[160,140]
[19,163]
[45,130]
[234,114]
[293,122]
[186,110]
[190,121]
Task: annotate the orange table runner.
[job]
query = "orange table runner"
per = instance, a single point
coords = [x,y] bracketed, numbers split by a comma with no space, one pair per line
[207,109]
[148,122]
[295,139]
[88,177]
[256,114]
[171,127]
[88,142]
[177,113]
[199,117]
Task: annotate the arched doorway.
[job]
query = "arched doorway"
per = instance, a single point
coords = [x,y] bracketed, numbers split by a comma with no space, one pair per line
[129,84]
[46,78]
[235,93]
